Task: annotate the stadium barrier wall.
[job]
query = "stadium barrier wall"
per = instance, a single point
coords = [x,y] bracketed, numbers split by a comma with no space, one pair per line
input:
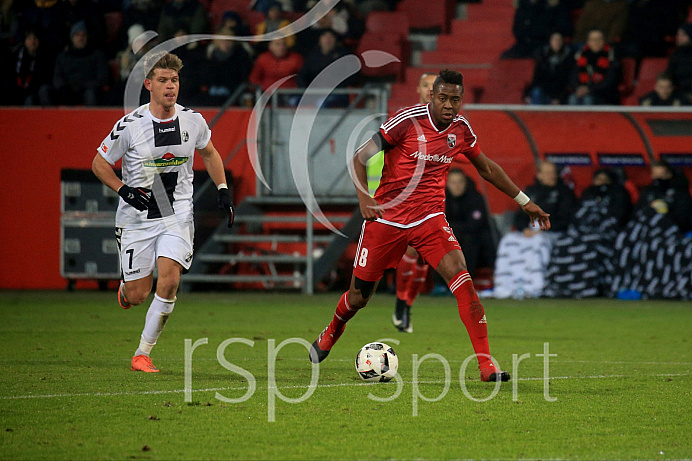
[36,145]
[39,143]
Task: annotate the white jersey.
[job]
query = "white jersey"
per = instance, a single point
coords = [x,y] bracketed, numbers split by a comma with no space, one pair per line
[150,149]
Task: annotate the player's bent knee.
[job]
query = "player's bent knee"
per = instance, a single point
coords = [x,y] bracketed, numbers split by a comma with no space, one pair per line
[136,296]
[366,288]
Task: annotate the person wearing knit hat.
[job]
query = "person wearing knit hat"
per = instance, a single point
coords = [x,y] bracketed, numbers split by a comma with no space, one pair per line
[79,26]
[80,72]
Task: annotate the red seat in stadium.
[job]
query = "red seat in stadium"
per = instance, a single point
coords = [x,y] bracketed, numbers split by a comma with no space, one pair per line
[507,81]
[650,68]
[394,23]
[627,85]
[435,14]
[384,42]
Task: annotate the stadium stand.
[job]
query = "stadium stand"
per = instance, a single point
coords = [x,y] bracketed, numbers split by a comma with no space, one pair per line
[628,83]
[649,69]
[393,23]
[507,81]
[431,16]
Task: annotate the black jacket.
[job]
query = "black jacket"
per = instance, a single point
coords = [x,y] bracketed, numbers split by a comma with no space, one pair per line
[559,201]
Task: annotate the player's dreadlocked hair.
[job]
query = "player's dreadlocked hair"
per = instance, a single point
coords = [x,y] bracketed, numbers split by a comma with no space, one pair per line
[163,60]
[449,76]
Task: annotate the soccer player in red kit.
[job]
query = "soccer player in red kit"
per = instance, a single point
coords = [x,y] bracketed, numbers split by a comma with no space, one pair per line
[420,143]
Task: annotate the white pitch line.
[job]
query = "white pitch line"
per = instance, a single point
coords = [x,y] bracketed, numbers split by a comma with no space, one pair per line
[214,389]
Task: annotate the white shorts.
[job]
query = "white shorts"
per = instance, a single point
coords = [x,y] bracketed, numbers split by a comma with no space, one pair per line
[140,248]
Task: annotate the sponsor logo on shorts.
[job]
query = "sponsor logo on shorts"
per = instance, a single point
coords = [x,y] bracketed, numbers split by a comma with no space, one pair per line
[432,158]
[188,257]
[451,239]
[447,229]
[136,271]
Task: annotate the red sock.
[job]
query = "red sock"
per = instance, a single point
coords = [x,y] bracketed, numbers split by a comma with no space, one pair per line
[344,313]
[405,272]
[416,283]
[473,315]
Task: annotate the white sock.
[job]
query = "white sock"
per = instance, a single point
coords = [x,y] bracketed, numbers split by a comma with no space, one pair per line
[157,316]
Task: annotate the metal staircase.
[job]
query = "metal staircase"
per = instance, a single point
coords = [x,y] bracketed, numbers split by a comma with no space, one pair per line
[275,244]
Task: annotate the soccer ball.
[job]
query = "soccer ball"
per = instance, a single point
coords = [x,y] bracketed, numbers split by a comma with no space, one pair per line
[377,362]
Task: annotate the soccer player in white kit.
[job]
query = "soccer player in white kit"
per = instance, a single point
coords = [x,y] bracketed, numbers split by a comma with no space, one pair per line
[154,221]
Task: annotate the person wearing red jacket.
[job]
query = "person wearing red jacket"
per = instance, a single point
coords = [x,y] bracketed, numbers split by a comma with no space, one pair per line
[274,64]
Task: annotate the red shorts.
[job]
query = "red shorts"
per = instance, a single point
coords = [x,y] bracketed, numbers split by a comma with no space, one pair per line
[381,246]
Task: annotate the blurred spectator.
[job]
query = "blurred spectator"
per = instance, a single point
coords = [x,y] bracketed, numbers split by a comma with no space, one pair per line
[580,260]
[607,192]
[551,75]
[468,217]
[8,26]
[187,14]
[597,73]
[649,23]
[273,21]
[680,61]
[663,94]
[264,6]
[274,64]
[325,53]
[144,12]
[91,15]
[336,20]
[610,16]
[193,76]
[46,18]
[26,73]
[80,72]
[534,22]
[551,194]
[226,67]
[232,20]
[126,60]
[668,194]
[523,255]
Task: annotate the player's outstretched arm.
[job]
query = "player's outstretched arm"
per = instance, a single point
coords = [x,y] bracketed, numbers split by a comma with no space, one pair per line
[495,175]
[214,164]
[370,209]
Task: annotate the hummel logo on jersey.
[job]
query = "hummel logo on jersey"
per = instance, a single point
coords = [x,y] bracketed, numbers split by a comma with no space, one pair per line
[421,138]
[167,134]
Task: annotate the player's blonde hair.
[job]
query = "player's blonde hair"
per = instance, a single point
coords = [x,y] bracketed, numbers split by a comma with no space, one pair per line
[163,60]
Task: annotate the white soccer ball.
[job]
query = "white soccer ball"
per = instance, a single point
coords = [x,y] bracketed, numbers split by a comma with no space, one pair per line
[377,362]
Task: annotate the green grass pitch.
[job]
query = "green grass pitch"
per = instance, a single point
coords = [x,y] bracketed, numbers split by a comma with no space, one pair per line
[619,383]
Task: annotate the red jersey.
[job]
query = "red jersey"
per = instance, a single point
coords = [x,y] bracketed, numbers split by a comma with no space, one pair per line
[415,168]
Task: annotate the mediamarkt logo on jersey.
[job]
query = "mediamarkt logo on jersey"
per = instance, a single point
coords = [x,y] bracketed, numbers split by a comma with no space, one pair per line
[168,159]
[432,158]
